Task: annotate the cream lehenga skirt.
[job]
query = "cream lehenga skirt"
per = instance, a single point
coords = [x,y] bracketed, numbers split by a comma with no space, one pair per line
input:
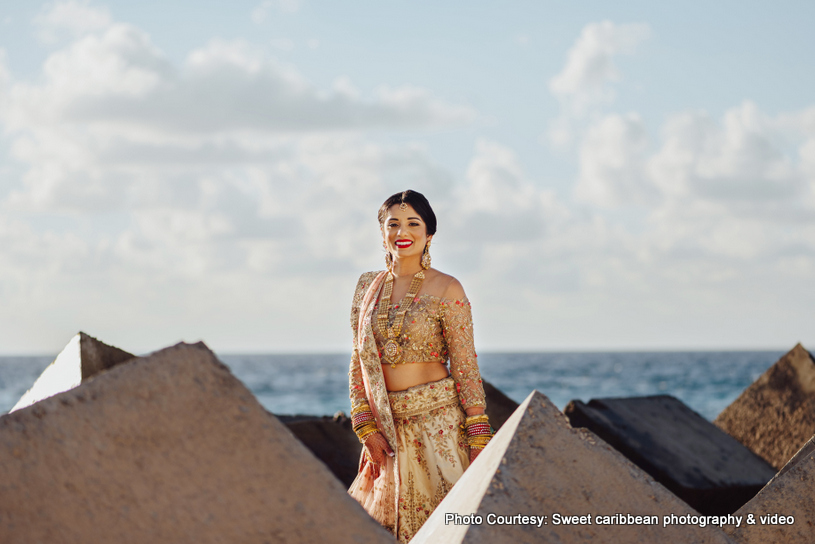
[432,455]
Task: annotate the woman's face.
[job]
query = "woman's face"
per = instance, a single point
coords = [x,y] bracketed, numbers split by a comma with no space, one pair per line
[404,232]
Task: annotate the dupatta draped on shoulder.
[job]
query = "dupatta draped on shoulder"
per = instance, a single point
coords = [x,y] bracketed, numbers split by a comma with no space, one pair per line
[376,487]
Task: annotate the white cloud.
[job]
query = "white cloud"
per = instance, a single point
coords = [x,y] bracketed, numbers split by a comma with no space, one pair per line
[585,83]
[715,195]
[584,80]
[741,161]
[117,77]
[612,158]
[498,210]
[59,20]
[112,115]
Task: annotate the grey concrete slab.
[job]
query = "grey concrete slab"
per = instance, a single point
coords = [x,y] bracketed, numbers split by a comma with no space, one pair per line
[697,461]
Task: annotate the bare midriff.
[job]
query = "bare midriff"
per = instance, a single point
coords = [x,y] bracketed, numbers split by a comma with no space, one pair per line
[405,376]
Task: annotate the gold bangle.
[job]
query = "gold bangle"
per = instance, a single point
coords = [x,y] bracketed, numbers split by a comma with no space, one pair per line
[364,407]
[480,418]
[359,427]
[363,434]
[363,427]
[479,441]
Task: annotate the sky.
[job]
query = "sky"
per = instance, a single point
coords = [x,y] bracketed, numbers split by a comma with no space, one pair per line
[606,176]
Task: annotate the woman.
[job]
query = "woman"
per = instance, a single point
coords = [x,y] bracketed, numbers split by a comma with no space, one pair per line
[421,425]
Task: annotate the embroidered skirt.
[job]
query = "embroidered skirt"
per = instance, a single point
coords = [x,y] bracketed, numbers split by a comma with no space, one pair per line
[431,449]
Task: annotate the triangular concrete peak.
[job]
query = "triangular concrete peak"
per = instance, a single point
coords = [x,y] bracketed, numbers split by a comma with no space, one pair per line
[789,494]
[538,465]
[775,415]
[82,358]
[170,447]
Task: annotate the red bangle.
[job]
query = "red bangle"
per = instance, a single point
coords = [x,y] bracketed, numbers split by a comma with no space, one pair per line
[478,429]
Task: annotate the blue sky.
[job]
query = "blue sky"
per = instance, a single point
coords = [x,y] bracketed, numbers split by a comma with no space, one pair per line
[636,176]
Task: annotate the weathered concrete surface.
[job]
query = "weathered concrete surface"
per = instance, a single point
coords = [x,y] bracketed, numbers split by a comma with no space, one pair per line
[166,448]
[775,415]
[83,357]
[538,464]
[790,493]
[331,440]
[804,453]
[700,463]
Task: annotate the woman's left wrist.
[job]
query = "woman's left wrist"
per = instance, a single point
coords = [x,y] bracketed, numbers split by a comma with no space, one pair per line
[479,431]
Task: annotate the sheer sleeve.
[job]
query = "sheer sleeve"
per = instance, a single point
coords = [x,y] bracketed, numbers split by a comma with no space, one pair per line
[355,384]
[457,324]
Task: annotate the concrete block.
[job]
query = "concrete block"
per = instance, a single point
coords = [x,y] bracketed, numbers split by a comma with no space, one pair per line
[697,461]
[539,465]
[166,448]
[83,357]
[775,415]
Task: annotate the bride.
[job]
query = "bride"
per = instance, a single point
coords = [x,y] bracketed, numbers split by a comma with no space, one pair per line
[417,402]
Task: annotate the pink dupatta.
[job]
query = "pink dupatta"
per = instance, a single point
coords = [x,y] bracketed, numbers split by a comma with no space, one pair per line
[376,486]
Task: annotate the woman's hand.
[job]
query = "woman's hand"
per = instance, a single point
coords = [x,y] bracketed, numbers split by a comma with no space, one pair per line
[377,448]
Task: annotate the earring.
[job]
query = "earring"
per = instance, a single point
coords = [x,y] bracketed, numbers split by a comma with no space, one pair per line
[388,256]
[426,256]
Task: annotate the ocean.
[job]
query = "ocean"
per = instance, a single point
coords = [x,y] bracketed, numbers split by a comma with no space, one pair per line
[317,384]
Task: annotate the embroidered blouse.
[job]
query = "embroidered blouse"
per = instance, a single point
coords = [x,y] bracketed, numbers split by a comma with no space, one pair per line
[435,329]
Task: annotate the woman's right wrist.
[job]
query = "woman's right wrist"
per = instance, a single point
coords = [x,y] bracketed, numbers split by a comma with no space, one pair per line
[364,437]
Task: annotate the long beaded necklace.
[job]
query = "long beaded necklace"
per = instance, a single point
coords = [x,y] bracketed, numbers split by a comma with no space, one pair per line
[392,351]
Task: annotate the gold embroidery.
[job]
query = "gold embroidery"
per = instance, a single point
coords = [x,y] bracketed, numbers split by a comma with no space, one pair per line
[355,383]
[431,454]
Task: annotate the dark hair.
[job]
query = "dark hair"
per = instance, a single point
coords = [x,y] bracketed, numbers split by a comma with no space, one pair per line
[419,203]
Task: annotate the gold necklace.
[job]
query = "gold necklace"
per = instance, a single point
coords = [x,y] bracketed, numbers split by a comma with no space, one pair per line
[392,351]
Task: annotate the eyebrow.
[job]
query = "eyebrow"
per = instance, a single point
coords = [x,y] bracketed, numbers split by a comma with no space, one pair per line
[397,219]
